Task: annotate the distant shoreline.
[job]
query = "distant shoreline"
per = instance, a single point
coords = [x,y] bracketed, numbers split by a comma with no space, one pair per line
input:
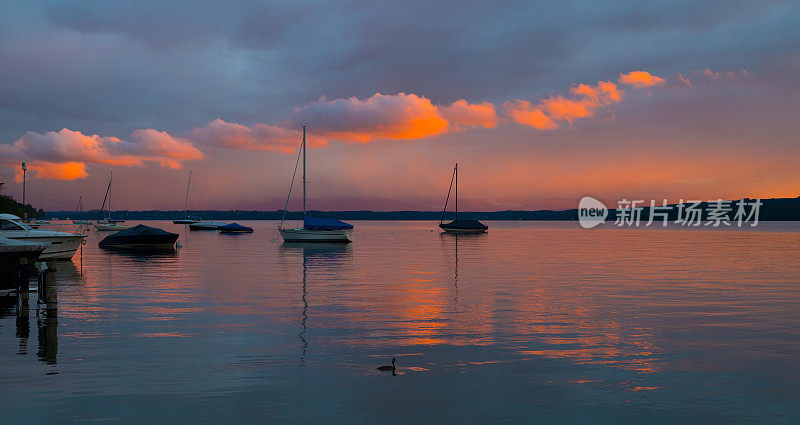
[774,209]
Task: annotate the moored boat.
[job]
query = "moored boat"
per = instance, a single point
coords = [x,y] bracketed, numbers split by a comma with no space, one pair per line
[314,229]
[61,245]
[186,219]
[140,237]
[235,228]
[459,226]
[206,225]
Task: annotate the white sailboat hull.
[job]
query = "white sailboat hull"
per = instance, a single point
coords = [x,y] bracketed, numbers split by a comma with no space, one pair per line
[306,235]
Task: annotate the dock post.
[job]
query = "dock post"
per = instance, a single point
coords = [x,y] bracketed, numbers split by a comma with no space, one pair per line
[48,288]
[24,282]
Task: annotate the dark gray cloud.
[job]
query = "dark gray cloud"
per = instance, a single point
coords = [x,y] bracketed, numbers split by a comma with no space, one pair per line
[111,67]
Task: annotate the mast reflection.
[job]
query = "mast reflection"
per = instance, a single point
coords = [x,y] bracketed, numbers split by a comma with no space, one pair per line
[320,260]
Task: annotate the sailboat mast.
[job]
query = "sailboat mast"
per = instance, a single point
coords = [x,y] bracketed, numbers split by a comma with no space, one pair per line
[186,204]
[109,195]
[304,172]
[456,191]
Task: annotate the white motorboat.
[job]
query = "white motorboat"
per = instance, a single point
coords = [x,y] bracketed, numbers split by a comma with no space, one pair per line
[61,245]
[206,225]
[314,229]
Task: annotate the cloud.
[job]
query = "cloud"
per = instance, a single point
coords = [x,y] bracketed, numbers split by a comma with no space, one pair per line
[546,114]
[54,171]
[237,136]
[401,116]
[461,114]
[523,112]
[640,79]
[64,154]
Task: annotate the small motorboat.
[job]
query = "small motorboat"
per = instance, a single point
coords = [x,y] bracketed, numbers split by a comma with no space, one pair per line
[207,225]
[235,228]
[140,237]
[185,221]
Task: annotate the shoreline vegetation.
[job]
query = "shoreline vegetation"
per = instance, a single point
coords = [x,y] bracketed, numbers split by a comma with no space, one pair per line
[774,209]
[9,205]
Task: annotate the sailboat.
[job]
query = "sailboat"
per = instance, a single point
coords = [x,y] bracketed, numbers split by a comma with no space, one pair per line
[459,226]
[107,224]
[314,229]
[79,212]
[186,219]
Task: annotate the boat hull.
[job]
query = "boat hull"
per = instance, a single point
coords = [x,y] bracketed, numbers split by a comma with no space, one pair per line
[456,230]
[111,227]
[203,225]
[184,221]
[306,235]
[59,248]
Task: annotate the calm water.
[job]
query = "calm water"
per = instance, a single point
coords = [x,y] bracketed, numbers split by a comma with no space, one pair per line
[532,322]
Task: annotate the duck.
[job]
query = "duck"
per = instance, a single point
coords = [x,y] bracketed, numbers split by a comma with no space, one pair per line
[386,368]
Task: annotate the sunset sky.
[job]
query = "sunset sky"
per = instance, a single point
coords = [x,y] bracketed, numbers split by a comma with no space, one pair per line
[540,103]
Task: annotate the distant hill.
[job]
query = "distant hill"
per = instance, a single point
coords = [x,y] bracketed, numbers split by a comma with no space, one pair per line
[775,209]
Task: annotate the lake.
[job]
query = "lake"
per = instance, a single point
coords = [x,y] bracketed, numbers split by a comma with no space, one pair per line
[532,322]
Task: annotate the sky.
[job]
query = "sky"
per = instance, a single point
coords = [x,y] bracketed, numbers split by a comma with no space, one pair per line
[540,103]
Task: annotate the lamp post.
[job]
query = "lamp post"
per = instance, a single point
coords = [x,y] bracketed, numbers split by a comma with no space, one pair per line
[24,175]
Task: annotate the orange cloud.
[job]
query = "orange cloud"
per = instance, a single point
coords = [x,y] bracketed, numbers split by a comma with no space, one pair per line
[640,79]
[401,116]
[236,136]
[379,117]
[54,171]
[65,153]
[523,112]
[461,114]
[546,114]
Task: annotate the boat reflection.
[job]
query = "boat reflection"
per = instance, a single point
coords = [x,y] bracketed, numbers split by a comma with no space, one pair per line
[326,258]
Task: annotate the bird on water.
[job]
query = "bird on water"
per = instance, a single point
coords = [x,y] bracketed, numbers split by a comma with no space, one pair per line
[386,368]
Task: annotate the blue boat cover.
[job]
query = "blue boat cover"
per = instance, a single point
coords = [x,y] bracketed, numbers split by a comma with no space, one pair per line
[312,223]
[235,227]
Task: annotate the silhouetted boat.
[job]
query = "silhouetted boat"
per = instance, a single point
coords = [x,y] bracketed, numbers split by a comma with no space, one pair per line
[186,219]
[459,226]
[314,229]
[140,236]
[235,228]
